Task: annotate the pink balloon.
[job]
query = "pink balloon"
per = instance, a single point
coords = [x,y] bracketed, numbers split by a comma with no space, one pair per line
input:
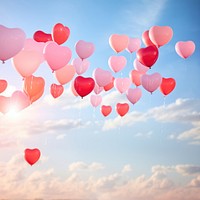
[135,77]
[160,35]
[140,67]
[133,45]
[95,100]
[84,49]
[80,65]
[134,95]
[98,89]
[57,56]
[32,45]
[11,42]
[122,84]
[118,42]
[73,89]
[117,63]
[151,82]
[102,77]
[185,49]
[26,62]
[19,101]
[65,74]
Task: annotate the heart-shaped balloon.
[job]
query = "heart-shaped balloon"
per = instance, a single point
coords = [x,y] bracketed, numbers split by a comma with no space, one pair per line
[134,95]
[40,36]
[151,82]
[106,110]
[95,100]
[118,42]
[4,104]
[160,35]
[135,77]
[60,33]
[110,85]
[3,85]
[73,89]
[146,40]
[122,108]
[185,49]
[56,90]
[80,65]
[65,74]
[122,84]
[140,67]
[133,45]
[148,56]
[102,77]
[84,49]
[167,85]
[97,89]
[37,96]
[117,63]
[57,56]
[32,155]
[84,86]
[11,42]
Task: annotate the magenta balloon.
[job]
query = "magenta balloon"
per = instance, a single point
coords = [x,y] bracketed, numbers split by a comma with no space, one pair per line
[11,42]
[134,94]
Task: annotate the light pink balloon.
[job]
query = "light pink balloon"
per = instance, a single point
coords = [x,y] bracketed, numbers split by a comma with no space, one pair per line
[134,95]
[65,74]
[151,82]
[26,62]
[84,49]
[95,100]
[19,101]
[73,89]
[133,45]
[160,35]
[80,65]
[11,42]
[140,67]
[102,77]
[56,56]
[97,89]
[117,63]
[32,45]
[122,84]
[185,49]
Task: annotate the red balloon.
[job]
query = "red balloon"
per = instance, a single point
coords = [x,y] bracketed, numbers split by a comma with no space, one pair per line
[167,85]
[60,33]
[106,110]
[3,85]
[135,77]
[32,155]
[56,90]
[122,108]
[110,85]
[84,86]
[40,36]
[147,56]
[146,40]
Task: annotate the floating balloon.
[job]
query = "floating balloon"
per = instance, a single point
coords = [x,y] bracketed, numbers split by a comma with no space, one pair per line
[140,67]
[97,89]
[133,45]
[84,49]
[57,56]
[147,56]
[160,35]
[11,42]
[40,36]
[60,33]
[36,96]
[185,49]
[110,85]
[73,89]
[95,100]
[102,77]
[4,104]
[117,63]
[146,40]
[135,77]
[134,95]
[3,85]
[122,84]
[56,90]
[106,110]
[151,82]
[65,74]
[118,42]
[122,108]
[167,85]
[84,86]
[80,65]
[32,155]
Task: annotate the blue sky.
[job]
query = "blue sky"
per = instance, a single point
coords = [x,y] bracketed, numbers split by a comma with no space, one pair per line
[151,153]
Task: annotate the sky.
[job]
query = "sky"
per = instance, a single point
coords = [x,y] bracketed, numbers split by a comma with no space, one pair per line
[150,153]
